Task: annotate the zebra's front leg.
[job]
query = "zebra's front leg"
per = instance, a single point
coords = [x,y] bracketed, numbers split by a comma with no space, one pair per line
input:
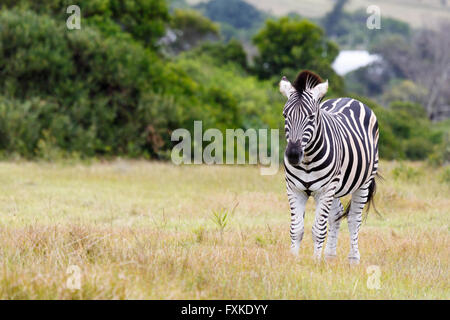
[359,199]
[319,229]
[334,223]
[297,203]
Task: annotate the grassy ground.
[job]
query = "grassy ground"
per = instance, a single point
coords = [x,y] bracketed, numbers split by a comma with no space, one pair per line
[149,230]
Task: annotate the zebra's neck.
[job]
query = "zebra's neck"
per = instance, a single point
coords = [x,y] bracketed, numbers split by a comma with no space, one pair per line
[322,139]
[317,140]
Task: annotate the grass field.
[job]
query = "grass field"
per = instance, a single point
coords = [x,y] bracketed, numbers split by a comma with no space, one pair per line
[140,230]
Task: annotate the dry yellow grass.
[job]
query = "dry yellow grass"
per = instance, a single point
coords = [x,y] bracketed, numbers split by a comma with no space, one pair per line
[142,230]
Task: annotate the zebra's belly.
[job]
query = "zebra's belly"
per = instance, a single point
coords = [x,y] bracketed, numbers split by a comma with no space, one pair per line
[346,187]
[345,179]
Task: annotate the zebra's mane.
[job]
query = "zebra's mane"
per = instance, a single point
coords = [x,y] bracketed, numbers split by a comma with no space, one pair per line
[306,80]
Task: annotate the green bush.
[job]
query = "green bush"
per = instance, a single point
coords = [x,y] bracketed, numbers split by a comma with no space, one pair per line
[237,13]
[84,92]
[144,20]
[105,90]
[441,151]
[191,28]
[223,53]
[21,124]
[98,86]
[405,130]
[445,178]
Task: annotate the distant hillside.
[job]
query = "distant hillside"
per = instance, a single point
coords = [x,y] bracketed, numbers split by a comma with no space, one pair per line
[418,13]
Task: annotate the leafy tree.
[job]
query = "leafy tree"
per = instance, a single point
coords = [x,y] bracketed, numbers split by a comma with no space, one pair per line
[236,13]
[405,130]
[288,45]
[94,94]
[178,4]
[224,53]
[237,18]
[250,102]
[332,18]
[145,20]
[191,28]
[372,80]
[91,91]
[349,29]
[406,91]
[424,60]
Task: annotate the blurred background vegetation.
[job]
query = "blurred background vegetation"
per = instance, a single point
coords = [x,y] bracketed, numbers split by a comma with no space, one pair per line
[139,69]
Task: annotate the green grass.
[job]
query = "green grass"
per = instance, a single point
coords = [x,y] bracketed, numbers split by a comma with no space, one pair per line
[142,230]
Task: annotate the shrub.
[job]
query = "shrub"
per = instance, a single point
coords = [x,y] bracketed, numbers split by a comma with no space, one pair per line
[22,123]
[95,88]
[191,28]
[418,148]
[223,53]
[144,20]
[93,94]
[445,178]
[405,130]
[236,13]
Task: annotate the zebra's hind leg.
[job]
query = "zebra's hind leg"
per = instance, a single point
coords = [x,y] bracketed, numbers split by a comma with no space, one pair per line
[359,199]
[337,210]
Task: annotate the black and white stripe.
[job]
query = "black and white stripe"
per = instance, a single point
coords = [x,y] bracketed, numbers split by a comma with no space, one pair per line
[332,152]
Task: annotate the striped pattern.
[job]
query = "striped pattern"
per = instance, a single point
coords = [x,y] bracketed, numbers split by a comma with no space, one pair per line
[338,141]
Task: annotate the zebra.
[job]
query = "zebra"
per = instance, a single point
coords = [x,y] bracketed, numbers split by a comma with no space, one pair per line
[332,151]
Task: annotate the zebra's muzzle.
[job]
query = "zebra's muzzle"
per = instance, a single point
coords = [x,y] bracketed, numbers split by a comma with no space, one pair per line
[294,152]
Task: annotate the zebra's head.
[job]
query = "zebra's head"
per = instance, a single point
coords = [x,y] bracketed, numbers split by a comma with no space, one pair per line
[301,112]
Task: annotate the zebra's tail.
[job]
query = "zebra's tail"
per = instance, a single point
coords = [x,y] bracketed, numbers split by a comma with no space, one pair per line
[370,198]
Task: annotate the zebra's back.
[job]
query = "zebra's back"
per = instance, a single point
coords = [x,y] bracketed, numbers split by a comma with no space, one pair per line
[358,128]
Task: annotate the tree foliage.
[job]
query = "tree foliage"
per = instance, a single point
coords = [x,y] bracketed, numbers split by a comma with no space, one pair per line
[405,130]
[237,18]
[426,61]
[236,13]
[224,53]
[93,94]
[190,29]
[349,28]
[145,20]
[108,90]
[289,45]
[103,91]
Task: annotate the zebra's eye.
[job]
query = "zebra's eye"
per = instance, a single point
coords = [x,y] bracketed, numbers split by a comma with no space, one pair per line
[311,117]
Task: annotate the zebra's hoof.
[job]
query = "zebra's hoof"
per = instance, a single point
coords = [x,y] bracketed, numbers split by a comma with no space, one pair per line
[317,258]
[353,261]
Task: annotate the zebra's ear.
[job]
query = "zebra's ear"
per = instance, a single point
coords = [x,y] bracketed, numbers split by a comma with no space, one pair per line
[320,90]
[286,87]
